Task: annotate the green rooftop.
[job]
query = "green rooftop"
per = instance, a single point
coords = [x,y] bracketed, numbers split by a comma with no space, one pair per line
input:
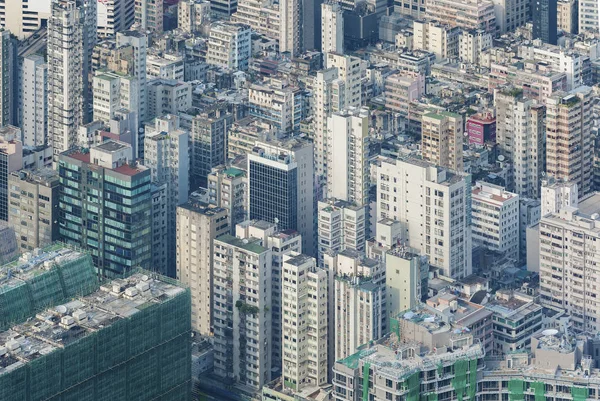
[250,245]
[234,172]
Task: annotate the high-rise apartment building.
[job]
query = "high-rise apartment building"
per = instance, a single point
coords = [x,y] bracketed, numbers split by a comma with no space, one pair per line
[545,25]
[115,16]
[440,39]
[341,225]
[192,14]
[229,46]
[305,323]
[105,206]
[520,134]
[242,322]
[22,18]
[261,15]
[281,187]
[34,95]
[350,71]
[434,206]
[466,14]
[329,96]
[567,18]
[332,28]
[405,280]
[556,195]
[112,93]
[567,254]
[442,139]
[149,15]
[11,159]
[276,104]
[348,156]
[208,143]
[358,301]
[197,226]
[291,35]
[495,219]
[168,96]
[166,154]
[33,207]
[228,188]
[136,44]
[71,39]
[588,16]
[282,244]
[569,142]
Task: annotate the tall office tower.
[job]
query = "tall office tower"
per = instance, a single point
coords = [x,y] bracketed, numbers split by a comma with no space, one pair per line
[349,71]
[166,154]
[406,280]
[567,247]
[242,297]
[229,46]
[433,205]
[332,28]
[495,219]
[281,244]
[544,13]
[8,79]
[348,156]
[222,9]
[557,195]
[34,92]
[22,18]
[133,334]
[341,225]
[35,227]
[208,144]
[290,27]
[228,188]
[197,226]
[11,159]
[442,139]
[520,133]
[114,16]
[71,39]
[281,187]
[569,140]
[101,188]
[305,327]
[149,15]
[358,301]
[192,14]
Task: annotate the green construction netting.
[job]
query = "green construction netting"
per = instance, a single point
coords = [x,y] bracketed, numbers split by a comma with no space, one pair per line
[539,389]
[580,393]
[440,369]
[432,397]
[366,370]
[459,382]
[472,379]
[516,388]
[395,327]
[117,363]
[62,282]
[413,385]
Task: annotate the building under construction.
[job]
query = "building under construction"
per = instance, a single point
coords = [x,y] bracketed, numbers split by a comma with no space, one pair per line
[66,336]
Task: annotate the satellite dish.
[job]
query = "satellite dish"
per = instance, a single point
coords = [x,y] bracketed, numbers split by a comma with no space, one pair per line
[500,158]
[550,332]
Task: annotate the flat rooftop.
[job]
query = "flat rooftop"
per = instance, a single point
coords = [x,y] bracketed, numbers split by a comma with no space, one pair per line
[58,327]
[250,244]
[111,146]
